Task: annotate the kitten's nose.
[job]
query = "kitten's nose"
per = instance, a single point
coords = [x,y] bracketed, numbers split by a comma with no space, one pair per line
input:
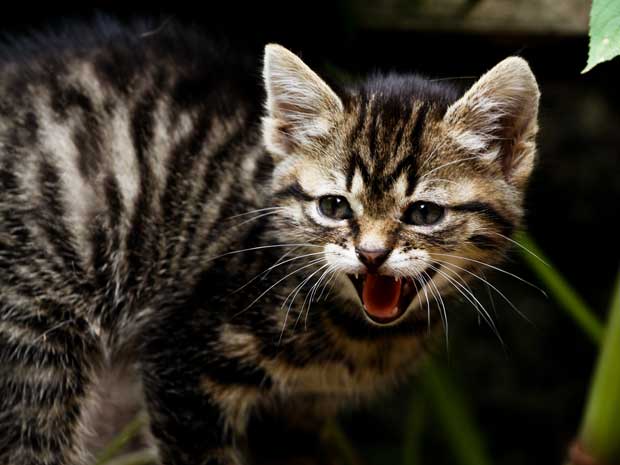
[373,259]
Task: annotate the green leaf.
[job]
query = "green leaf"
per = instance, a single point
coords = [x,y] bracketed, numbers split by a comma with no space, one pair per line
[559,288]
[453,414]
[416,422]
[600,431]
[604,32]
[338,443]
[129,432]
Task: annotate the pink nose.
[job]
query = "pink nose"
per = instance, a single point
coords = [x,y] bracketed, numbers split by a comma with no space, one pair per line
[373,259]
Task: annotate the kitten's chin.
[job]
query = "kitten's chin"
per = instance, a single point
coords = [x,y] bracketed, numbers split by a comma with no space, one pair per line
[386,299]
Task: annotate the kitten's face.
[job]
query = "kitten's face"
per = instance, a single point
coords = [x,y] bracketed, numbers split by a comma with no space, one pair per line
[401,191]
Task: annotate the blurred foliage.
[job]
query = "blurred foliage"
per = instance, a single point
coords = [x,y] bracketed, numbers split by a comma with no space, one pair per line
[559,288]
[454,414]
[604,32]
[112,454]
[600,431]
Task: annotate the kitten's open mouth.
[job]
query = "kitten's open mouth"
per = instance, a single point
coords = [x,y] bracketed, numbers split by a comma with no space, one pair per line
[385,298]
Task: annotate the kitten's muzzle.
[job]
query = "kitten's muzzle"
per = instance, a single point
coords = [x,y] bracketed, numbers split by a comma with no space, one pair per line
[372,259]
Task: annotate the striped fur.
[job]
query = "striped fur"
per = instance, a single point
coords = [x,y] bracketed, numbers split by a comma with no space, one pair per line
[148,220]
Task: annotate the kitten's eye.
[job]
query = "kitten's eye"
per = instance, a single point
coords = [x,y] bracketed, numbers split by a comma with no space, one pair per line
[423,213]
[335,207]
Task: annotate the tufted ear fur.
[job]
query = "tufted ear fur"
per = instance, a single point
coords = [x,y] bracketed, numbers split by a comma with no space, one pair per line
[300,105]
[497,118]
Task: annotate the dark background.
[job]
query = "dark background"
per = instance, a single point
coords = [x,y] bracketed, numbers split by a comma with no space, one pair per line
[527,397]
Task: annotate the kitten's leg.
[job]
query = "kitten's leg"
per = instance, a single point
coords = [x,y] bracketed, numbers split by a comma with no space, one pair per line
[45,366]
[198,398]
[191,427]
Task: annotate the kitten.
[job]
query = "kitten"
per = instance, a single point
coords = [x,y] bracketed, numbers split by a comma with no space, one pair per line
[244,254]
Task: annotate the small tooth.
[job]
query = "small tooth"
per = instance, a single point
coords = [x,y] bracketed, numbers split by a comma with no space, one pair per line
[395,279]
[356,276]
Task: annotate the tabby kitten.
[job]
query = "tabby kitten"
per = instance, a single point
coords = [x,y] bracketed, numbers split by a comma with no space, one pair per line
[239,255]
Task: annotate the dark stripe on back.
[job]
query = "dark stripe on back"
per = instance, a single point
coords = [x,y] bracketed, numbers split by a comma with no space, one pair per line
[8,179]
[52,216]
[114,200]
[181,168]
[87,136]
[233,203]
[105,240]
[218,164]
[139,236]
[16,354]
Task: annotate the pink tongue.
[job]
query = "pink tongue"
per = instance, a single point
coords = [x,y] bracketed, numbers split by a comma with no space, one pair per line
[380,295]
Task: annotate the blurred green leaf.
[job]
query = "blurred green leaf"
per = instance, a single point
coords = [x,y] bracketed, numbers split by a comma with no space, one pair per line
[129,432]
[414,427]
[560,290]
[336,440]
[142,457]
[600,431]
[453,415]
[604,32]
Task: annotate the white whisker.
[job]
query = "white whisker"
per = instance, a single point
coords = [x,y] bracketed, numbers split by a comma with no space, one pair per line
[442,311]
[277,264]
[489,285]
[521,246]
[254,219]
[331,286]
[298,289]
[262,247]
[453,162]
[470,297]
[312,263]
[311,294]
[494,268]
[259,210]
[282,257]
[327,282]
[442,305]
[489,294]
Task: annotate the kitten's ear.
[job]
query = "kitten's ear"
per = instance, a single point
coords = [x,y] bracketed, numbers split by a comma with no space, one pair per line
[300,105]
[497,118]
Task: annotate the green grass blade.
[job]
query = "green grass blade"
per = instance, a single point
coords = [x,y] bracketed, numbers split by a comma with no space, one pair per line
[117,444]
[142,457]
[600,431]
[414,426]
[459,427]
[559,289]
[338,443]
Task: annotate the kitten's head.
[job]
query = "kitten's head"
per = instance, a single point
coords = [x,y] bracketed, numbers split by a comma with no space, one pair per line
[399,186]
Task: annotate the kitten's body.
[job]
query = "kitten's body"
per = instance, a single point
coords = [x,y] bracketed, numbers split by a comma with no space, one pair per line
[129,161]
